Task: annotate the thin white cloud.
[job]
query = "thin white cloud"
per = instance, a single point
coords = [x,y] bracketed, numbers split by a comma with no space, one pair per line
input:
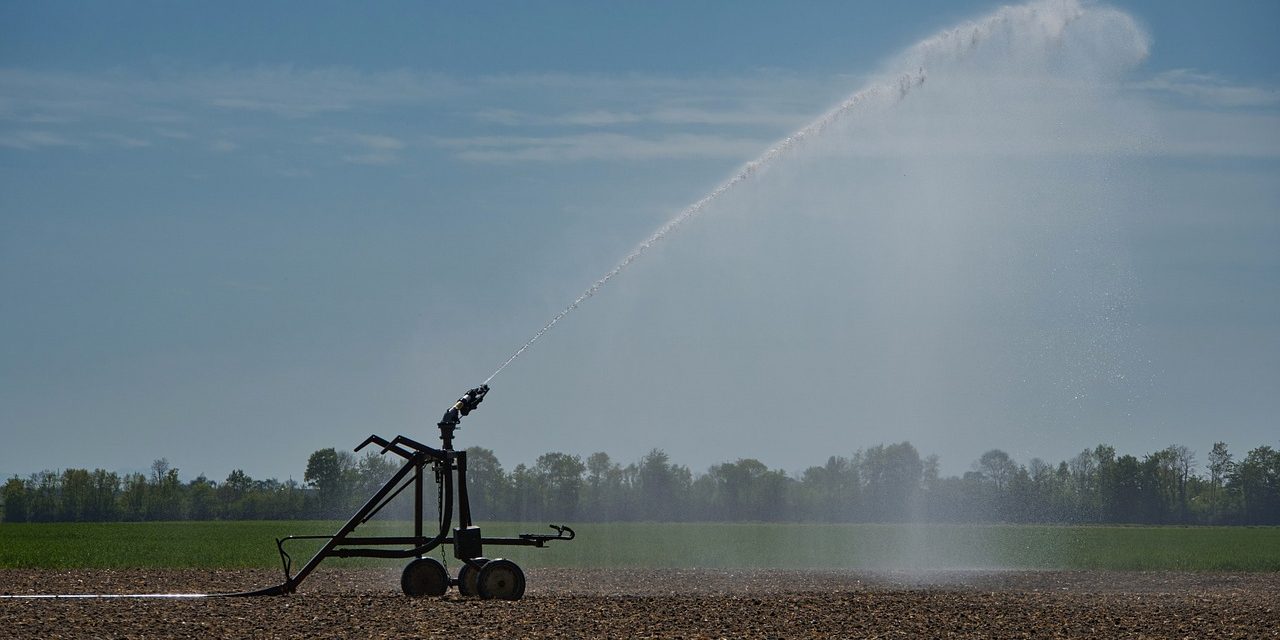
[654,87]
[32,140]
[1210,90]
[123,141]
[662,111]
[568,117]
[373,158]
[598,118]
[599,146]
[45,118]
[294,93]
[377,142]
[604,118]
[504,117]
[282,91]
[733,117]
[367,149]
[173,134]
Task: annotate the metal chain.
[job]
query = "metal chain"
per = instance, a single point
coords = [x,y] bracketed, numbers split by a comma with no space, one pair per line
[444,558]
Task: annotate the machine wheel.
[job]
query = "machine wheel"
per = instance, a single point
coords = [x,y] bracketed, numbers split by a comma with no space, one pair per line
[424,577]
[500,579]
[467,576]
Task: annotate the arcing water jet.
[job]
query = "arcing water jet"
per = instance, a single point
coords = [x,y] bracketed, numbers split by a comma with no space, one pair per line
[954,44]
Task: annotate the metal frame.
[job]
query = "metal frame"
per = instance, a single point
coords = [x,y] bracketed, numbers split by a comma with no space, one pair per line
[445,463]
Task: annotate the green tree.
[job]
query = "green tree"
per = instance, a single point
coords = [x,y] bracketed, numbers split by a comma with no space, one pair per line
[1107,486]
[1122,483]
[891,477]
[1220,467]
[833,489]
[560,475]
[370,473]
[662,486]
[204,499]
[232,494]
[164,501]
[104,503]
[1158,486]
[997,468]
[329,472]
[1182,461]
[487,484]
[528,495]
[608,493]
[15,500]
[1003,484]
[77,494]
[1086,487]
[1051,496]
[1257,479]
[133,500]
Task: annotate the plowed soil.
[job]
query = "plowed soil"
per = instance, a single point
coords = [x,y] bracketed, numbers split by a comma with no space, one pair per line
[642,603]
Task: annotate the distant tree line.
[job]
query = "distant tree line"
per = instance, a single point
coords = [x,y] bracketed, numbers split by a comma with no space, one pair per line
[885,483]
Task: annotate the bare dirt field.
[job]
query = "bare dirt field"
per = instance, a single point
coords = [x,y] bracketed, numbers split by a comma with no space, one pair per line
[643,603]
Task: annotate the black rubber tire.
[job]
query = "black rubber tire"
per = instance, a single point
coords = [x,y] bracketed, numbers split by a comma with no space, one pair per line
[424,577]
[467,576]
[500,580]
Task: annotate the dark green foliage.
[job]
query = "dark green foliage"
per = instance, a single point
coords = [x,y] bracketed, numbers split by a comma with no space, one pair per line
[560,475]
[329,472]
[1256,480]
[487,484]
[16,507]
[884,483]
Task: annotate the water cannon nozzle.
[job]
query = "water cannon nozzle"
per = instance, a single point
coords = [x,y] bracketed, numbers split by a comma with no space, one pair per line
[465,405]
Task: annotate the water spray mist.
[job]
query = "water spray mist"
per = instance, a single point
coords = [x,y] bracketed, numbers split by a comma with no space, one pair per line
[953,44]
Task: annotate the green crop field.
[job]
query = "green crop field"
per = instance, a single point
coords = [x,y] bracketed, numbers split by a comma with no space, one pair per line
[252,544]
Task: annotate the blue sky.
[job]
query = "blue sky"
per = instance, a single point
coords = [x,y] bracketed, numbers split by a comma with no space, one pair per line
[233,234]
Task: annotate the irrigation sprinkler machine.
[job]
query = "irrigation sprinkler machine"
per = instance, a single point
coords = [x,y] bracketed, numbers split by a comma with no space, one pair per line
[425,576]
